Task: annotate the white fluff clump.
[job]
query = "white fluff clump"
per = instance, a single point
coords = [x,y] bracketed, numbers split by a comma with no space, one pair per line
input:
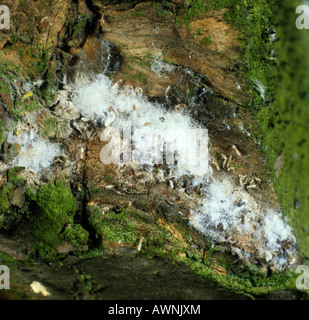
[150,123]
[35,152]
[276,232]
[224,209]
[230,215]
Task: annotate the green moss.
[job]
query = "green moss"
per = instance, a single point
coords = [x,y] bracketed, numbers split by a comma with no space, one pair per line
[197,8]
[9,70]
[85,284]
[53,128]
[53,219]
[91,253]
[13,175]
[57,202]
[79,27]
[47,252]
[4,87]
[75,27]
[206,41]
[50,127]
[163,8]
[38,59]
[2,220]
[114,227]
[6,194]
[284,122]
[49,90]
[75,234]
[5,258]
[31,194]
[31,104]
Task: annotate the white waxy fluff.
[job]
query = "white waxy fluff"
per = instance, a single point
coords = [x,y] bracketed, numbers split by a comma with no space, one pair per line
[230,215]
[35,152]
[150,123]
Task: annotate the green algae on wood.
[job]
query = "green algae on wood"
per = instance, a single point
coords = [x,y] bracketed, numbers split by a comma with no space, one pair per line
[114,227]
[6,194]
[13,175]
[53,218]
[284,122]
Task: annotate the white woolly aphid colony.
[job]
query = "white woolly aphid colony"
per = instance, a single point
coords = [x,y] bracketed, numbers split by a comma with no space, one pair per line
[228,214]
[34,152]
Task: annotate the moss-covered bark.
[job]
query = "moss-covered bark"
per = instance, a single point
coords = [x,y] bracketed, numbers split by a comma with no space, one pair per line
[285,121]
[53,217]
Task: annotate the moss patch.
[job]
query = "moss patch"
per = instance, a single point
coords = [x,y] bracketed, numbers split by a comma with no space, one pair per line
[114,227]
[5,258]
[285,122]
[13,175]
[53,215]
[6,194]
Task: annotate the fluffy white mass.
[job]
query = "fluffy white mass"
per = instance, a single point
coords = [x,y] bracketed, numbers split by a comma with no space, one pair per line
[152,126]
[230,215]
[35,152]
